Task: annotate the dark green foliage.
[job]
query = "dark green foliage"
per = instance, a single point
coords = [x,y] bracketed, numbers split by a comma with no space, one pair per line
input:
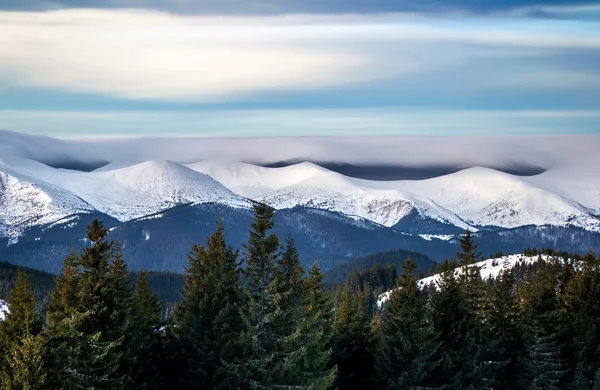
[457,330]
[86,318]
[352,351]
[144,342]
[366,265]
[207,322]
[501,319]
[541,365]
[22,361]
[408,353]
[258,340]
[317,331]
[286,288]
[468,250]
[41,282]
[582,319]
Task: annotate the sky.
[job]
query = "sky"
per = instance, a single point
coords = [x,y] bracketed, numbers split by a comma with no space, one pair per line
[278,68]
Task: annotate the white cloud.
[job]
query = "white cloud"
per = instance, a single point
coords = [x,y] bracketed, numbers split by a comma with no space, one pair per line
[153,55]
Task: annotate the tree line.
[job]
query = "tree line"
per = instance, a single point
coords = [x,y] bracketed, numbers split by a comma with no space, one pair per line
[255,319]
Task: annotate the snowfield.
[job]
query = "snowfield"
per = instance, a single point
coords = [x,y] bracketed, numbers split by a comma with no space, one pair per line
[489,268]
[32,193]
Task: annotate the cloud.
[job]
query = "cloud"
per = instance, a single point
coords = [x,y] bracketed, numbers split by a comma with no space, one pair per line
[295,122]
[149,55]
[241,7]
[411,151]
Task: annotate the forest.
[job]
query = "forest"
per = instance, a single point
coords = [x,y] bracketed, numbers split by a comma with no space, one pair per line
[255,319]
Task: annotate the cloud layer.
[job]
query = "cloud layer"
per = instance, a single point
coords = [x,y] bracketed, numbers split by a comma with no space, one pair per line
[150,55]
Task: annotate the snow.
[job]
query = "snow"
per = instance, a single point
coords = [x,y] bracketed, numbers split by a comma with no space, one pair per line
[28,198]
[32,193]
[429,237]
[469,198]
[489,268]
[3,309]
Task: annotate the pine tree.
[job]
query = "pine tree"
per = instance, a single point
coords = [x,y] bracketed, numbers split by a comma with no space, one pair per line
[468,250]
[582,317]
[317,329]
[541,365]
[207,322]
[286,289]
[407,354]
[258,341]
[144,341]
[22,362]
[86,322]
[455,326]
[352,342]
[502,318]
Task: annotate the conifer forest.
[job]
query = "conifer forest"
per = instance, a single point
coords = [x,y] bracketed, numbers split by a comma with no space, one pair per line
[255,319]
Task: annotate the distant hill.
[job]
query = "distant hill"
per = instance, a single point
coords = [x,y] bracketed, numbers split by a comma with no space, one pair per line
[340,273]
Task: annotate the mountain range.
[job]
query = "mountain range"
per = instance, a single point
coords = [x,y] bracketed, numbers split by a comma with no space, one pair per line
[155,205]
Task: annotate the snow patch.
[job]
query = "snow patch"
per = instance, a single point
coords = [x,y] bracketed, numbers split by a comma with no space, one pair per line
[3,309]
[429,237]
[489,268]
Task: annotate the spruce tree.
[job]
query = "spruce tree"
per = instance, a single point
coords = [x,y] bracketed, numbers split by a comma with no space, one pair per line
[502,319]
[582,317]
[86,319]
[460,366]
[317,329]
[352,352]
[408,349]
[286,288]
[207,322]
[258,340]
[144,341]
[22,362]
[541,365]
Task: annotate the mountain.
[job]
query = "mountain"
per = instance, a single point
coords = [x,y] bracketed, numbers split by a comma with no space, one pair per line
[471,198]
[158,208]
[474,198]
[163,240]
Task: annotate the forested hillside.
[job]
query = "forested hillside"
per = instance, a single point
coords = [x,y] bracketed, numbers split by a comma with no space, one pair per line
[255,319]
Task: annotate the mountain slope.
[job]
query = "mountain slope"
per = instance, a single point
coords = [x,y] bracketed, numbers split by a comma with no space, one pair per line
[27,201]
[489,268]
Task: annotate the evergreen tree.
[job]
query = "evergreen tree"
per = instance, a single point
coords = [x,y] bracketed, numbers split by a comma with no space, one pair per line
[582,316]
[502,319]
[352,342]
[86,320]
[207,322]
[22,359]
[259,338]
[317,329]
[406,358]
[468,250]
[460,366]
[144,342]
[286,289]
[541,365]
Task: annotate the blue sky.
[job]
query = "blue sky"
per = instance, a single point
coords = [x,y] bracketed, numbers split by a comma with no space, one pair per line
[120,68]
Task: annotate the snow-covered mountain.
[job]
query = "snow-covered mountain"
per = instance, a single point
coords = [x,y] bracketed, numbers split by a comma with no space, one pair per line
[37,194]
[489,268]
[32,193]
[473,197]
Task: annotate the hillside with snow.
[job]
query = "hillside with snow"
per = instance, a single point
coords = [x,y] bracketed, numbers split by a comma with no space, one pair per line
[33,193]
[473,197]
[489,268]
